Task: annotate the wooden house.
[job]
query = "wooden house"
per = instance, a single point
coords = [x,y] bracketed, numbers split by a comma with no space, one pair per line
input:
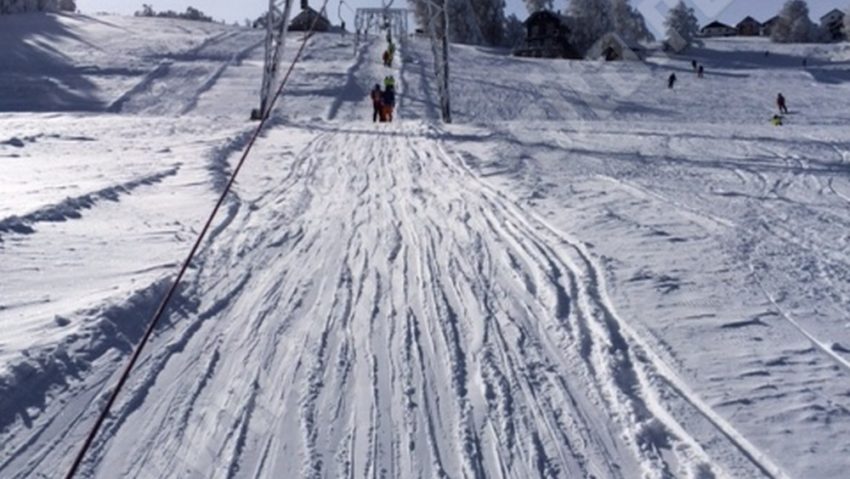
[748,27]
[833,22]
[546,36]
[768,26]
[306,18]
[718,29]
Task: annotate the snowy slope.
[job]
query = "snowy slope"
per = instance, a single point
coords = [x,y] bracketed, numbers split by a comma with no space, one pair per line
[63,62]
[588,275]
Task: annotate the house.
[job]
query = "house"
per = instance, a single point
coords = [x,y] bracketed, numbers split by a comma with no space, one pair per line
[767,27]
[718,29]
[546,36]
[833,22]
[748,27]
[304,21]
[612,47]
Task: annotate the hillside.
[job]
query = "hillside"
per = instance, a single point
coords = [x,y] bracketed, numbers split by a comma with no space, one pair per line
[586,275]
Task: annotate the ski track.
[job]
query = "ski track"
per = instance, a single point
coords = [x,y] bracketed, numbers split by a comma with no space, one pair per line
[185,77]
[72,208]
[447,333]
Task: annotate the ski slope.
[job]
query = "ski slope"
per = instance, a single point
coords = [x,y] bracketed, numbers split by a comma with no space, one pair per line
[588,275]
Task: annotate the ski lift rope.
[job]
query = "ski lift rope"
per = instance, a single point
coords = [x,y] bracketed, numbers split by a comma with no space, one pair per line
[163,305]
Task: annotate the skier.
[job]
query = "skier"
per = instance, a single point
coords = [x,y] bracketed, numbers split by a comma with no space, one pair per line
[700,71]
[388,103]
[776,120]
[671,82]
[694,64]
[780,102]
[387,58]
[342,28]
[391,51]
[389,82]
[377,106]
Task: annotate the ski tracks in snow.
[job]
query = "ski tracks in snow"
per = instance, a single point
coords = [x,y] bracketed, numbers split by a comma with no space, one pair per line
[381,312]
[184,78]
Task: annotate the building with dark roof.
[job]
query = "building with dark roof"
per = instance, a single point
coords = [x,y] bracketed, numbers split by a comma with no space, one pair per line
[748,27]
[305,20]
[833,22]
[718,29]
[768,26]
[546,36]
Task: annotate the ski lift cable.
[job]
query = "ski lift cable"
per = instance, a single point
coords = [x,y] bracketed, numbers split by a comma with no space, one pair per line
[163,305]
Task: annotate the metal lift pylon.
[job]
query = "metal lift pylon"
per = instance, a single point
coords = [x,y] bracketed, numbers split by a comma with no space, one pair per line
[277,21]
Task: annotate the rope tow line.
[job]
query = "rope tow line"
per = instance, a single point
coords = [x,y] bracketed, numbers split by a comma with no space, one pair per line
[163,305]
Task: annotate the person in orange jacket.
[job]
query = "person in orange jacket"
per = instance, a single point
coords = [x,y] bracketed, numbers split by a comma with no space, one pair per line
[388,102]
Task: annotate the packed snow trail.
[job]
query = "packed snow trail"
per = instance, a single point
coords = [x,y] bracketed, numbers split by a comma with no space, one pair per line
[380,313]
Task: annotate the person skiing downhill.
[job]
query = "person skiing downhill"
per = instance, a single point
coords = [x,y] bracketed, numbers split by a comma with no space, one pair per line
[700,72]
[376,103]
[671,82]
[780,103]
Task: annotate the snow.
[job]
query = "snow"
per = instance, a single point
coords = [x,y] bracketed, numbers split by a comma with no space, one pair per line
[587,275]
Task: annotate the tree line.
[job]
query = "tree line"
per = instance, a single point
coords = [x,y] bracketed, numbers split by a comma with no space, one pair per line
[484,22]
[191,13]
[8,7]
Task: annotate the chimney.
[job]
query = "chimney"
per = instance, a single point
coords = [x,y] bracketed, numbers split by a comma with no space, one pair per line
[304,5]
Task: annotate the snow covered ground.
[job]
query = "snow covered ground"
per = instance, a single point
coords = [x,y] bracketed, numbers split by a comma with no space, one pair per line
[587,274]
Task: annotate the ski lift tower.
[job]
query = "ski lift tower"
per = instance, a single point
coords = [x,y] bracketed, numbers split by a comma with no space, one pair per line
[276,27]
